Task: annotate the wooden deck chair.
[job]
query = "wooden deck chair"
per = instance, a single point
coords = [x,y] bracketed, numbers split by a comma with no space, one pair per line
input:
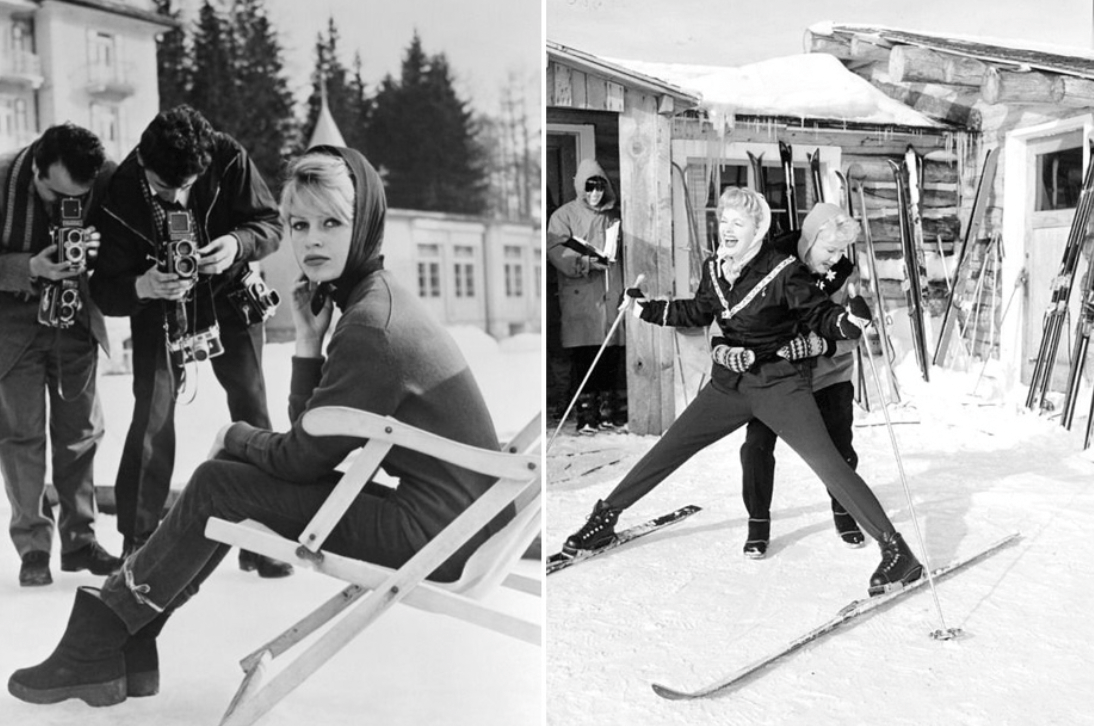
[373,588]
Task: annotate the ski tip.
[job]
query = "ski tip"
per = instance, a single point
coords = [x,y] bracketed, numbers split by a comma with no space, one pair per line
[670,693]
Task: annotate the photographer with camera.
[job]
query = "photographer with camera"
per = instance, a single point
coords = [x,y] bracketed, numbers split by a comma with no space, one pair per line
[184,215]
[49,330]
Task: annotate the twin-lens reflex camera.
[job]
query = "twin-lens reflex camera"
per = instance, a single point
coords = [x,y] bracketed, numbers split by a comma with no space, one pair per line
[60,300]
[181,257]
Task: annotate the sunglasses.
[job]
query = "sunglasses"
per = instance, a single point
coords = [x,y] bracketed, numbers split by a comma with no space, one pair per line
[595,185]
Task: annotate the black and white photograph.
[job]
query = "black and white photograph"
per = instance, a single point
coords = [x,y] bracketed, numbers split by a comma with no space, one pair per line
[818,407]
[271,354]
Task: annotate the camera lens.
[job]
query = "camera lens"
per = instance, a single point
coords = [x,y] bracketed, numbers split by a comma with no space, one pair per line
[69,297]
[201,351]
[271,299]
[66,312]
[74,252]
[185,266]
[184,248]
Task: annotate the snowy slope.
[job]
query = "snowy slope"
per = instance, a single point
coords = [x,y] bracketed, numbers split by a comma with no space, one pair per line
[409,668]
[683,607]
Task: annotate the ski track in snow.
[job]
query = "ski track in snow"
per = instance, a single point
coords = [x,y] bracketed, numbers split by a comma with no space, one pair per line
[684,608]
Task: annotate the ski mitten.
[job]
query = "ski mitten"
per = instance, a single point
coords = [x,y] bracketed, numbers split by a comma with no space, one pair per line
[806,346]
[738,360]
[855,318]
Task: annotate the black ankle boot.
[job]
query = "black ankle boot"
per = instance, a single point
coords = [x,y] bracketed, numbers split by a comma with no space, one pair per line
[598,531]
[588,414]
[759,533]
[87,664]
[142,659]
[848,528]
[898,567]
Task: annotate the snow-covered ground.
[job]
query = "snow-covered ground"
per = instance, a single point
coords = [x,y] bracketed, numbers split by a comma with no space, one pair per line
[409,668]
[684,608]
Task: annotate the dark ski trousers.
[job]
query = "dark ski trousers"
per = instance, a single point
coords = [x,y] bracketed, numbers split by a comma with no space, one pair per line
[778,394]
[148,456]
[836,405]
[170,568]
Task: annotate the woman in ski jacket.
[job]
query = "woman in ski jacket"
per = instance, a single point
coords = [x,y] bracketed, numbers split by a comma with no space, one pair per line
[760,298]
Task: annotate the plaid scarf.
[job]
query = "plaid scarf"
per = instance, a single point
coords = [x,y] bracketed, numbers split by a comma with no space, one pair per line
[26,227]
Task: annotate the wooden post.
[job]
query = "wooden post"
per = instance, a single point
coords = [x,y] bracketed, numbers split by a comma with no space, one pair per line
[645,174]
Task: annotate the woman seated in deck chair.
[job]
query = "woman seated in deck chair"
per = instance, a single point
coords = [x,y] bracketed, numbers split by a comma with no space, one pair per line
[386,355]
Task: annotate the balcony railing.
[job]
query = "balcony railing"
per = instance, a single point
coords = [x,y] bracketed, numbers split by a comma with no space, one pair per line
[111,80]
[21,67]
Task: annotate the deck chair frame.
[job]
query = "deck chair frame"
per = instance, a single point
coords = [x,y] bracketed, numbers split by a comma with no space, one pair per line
[373,589]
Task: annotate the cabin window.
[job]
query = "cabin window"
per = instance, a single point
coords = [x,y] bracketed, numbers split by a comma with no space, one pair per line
[1059,179]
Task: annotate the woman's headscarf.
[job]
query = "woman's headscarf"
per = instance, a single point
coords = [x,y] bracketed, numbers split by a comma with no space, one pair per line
[369,211]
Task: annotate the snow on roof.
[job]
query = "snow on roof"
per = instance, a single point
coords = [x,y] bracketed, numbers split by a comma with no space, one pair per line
[1044,56]
[814,85]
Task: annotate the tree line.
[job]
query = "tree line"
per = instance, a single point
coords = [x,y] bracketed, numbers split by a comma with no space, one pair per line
[431,149]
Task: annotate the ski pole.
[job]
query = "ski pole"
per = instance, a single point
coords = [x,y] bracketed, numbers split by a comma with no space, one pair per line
[944,633]
[611,331]
[1022,276]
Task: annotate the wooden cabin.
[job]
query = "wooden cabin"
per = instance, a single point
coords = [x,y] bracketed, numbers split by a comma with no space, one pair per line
[1035,104]
[675,148]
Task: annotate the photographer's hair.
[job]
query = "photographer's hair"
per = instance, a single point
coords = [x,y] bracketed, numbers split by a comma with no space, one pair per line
[320,182]
[79,151]
[746,201]
[178,144]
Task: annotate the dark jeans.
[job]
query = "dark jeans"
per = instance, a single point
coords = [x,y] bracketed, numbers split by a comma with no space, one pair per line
[170,568]
[758,451]
[58,366]
[780,396]
[148,457]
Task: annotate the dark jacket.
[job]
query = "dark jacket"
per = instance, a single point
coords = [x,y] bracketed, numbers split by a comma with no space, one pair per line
[774,316]
[230,196]
[19,298]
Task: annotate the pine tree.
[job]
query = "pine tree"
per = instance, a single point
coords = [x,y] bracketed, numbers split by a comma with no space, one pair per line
[215,88]
[174,72]
[266,124]
[346,96]
[423,136]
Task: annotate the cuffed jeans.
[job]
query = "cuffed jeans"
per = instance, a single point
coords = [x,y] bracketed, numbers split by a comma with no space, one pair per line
[61,365]
[780,396]
[170,568]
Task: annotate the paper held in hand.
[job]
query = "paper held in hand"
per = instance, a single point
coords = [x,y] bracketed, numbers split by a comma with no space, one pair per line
[611,242]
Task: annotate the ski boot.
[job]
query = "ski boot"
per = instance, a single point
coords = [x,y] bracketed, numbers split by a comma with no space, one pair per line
[847,527]
[605,408]
[898,567]
[587,414]
[597,532]
[759,532]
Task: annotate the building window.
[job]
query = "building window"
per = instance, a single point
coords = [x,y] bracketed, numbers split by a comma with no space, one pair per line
[464,268]
[429,271]
[1059,179]
[103,58]
[514,272]
[106,124]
